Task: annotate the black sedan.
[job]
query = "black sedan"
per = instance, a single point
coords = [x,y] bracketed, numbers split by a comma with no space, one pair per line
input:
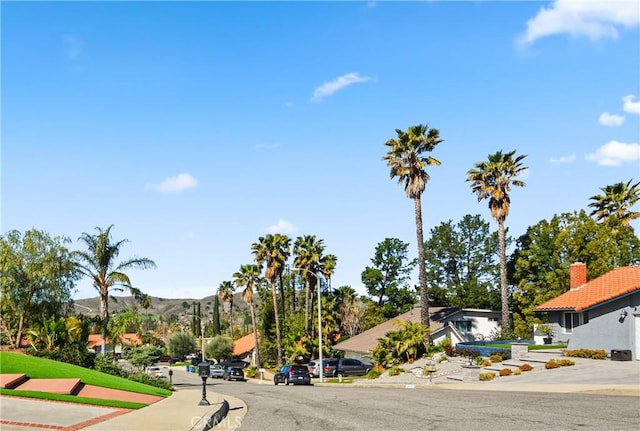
[233,373]
[294,374]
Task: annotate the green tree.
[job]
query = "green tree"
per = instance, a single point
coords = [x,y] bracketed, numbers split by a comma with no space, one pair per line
[225,292]
[406,160]
[308,252]
[181,344]
[120,324]
[215,317]
[273,251]
[37,276]
[387,281]
[617,201]
[220,348]
[249,277]
[540,264]
[492,180]
[99,263]
[462,265]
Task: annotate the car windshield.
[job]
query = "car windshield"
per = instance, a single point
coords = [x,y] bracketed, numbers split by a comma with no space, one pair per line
[299,369]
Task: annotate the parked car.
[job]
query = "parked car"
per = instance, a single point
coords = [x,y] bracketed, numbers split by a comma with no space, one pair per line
[314,367]
[294,374]
[233,373]
[216,371]
[174,361]
[155,372]
[235,363]
[346,367]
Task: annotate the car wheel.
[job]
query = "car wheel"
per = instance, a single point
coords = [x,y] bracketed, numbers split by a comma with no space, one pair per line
[275,382]
[286,381]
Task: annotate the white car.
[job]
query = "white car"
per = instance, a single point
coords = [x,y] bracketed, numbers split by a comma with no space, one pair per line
[155,372]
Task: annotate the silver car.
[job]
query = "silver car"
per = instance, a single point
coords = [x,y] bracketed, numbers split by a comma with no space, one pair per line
[216,371]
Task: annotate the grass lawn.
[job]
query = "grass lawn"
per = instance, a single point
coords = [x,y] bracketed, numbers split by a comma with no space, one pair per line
[40,368]
[72,399]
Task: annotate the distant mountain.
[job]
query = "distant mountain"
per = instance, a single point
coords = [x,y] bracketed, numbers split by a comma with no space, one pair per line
[164,307]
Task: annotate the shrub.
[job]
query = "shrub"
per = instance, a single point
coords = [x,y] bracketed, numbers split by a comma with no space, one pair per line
[566,362]
[395,370]
[479,360]
[251,371]
[505,372]
[586,353]
[465,351]
[486,363]
[495,358]
[374,373]
[525,367]
[517,372]
[552,363]
[487,376]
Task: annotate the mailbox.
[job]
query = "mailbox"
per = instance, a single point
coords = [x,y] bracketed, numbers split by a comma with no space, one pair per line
[203,369]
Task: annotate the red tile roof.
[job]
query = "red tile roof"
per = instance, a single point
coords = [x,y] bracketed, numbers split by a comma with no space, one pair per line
[613,284]
[243,345]
[130,339]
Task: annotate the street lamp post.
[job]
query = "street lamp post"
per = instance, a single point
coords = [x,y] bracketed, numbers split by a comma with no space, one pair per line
[317,275]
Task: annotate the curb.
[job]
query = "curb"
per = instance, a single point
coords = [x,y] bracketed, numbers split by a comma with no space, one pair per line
[217,416]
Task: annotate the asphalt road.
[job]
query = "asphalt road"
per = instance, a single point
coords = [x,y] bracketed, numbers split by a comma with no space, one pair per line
[311,408]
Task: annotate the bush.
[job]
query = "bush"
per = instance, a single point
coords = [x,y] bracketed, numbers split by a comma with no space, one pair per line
[220,347]
[395,370]
[374,373]
[517,372]
[251,371]
[552,363]
[505,372]
[485,363]
[586,353]
[525,367]
[181,344]
[495,358]
[566,363]
[465,351]
[484,377]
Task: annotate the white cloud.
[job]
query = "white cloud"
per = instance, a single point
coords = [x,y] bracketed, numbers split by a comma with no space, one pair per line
[607,119]
[563,159]
[177,184]
[595,19]
[615,153]
[328,88]
[630,106]
[283,227]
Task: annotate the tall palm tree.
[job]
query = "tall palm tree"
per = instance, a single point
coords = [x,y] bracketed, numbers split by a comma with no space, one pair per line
[273,250]
[328,265]
[308,253]
[249,277]
[406,160]
[99,264]
[492,179]
[617,202]
[225,292]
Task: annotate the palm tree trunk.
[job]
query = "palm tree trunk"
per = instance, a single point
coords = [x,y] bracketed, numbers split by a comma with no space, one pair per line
[277,317]
[104,316]
[307,289]
[256,348]
[231,320]
[504,293]
[282,298]
[422,272]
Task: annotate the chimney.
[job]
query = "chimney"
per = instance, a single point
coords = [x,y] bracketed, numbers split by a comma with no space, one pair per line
[577,275]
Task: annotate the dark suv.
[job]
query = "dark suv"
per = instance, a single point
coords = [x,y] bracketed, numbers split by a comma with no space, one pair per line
[294,374]
[346,367]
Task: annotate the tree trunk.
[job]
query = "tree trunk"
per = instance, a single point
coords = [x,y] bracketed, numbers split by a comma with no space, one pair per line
[23,317]
[276,315]
[282,298]
[104,316]
[504,292]
[231,320]
[307,288]
[422,272]
[256,349]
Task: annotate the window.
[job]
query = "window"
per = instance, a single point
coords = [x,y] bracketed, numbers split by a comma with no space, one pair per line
[463,325]
[572,320]
[568,323]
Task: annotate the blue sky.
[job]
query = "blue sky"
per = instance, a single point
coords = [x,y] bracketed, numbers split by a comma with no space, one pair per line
[196,127]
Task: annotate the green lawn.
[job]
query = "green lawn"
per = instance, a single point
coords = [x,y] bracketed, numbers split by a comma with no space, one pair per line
[40,368]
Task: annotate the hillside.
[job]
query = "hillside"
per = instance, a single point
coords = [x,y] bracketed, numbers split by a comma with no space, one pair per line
[165,307]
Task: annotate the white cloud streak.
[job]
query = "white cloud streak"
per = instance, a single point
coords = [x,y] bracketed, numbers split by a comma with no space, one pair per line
[563,160]
[629,105]
[615,153]
[328,88]
[611,120]
[594,19]
[283,227]
[176,184]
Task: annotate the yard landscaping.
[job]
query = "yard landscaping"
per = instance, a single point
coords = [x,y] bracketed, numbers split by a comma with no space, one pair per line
[40,368]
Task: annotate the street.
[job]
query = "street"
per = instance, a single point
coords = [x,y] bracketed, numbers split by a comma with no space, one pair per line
[312,408]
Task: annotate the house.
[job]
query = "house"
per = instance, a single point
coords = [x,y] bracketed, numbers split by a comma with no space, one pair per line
[603,313]
[457,324]
[94,342]
[243,348]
